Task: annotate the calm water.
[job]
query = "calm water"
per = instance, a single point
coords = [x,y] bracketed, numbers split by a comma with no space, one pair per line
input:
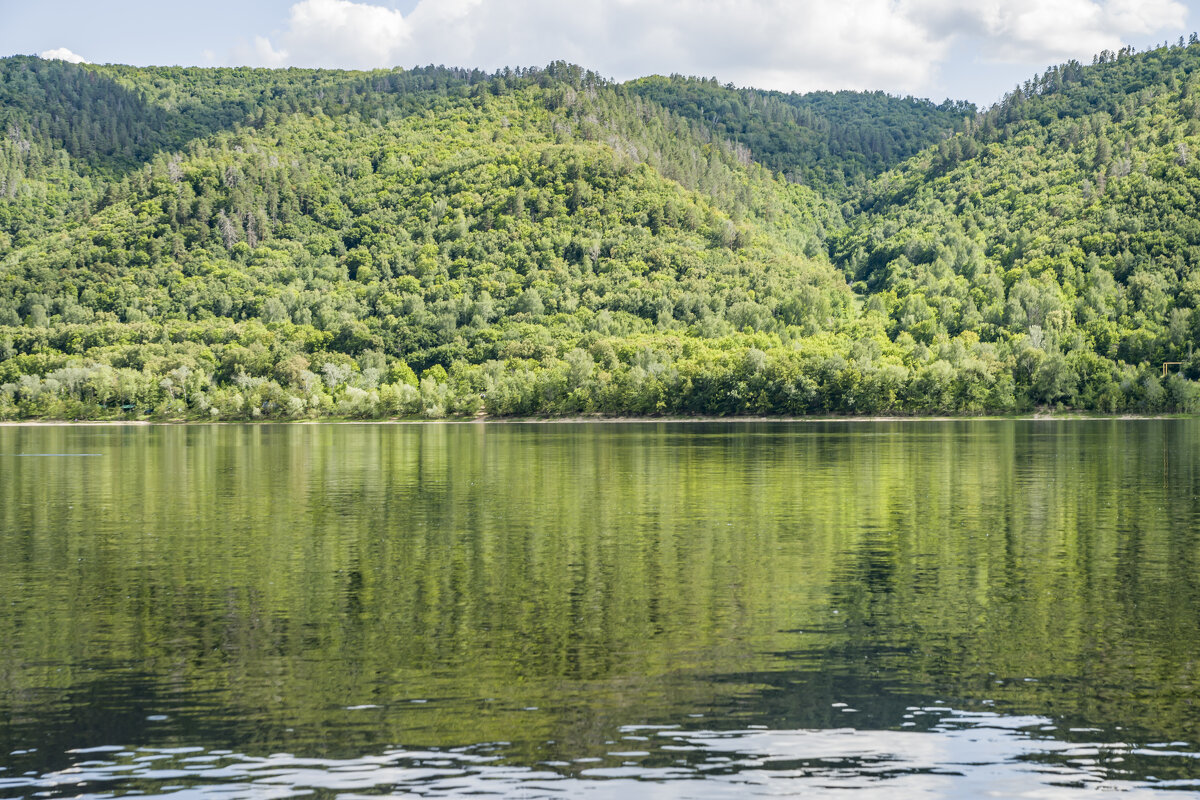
[655,610]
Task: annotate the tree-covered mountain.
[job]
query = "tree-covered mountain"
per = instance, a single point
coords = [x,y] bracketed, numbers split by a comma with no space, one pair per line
[1063,228]
[833,141]
[233,243]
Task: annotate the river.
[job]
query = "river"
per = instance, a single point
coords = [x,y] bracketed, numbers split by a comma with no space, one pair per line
[667,610]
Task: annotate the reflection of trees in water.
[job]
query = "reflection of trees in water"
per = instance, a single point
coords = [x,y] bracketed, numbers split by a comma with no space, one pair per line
[271,576]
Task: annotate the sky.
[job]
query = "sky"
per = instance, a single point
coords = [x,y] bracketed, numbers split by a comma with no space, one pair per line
[962,49]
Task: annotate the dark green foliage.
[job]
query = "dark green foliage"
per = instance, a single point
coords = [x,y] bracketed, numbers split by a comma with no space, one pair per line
[829,140]
[115,118]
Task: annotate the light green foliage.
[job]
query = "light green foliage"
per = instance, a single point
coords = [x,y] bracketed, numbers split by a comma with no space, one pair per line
[1061,227]
[227,244]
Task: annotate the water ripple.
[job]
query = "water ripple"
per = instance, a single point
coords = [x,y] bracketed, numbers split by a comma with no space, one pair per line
[966,754]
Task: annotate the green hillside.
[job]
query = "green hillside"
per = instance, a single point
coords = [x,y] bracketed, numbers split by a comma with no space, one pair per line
[238,243]
[1063,229]
[833,141]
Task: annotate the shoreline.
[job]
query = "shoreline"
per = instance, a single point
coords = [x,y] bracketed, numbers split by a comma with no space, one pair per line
[1036,417]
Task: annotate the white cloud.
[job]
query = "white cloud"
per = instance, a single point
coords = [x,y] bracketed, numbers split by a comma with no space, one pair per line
[1037,31]
[62,54]
[897,45]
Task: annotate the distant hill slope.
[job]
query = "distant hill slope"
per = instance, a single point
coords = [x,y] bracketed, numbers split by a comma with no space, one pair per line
[217,243]
[830,140]
[113,117]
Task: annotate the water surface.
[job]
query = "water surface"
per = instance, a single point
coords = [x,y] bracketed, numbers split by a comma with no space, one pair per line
[938,609]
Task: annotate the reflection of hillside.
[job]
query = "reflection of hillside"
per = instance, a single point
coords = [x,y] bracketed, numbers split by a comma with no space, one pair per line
[247,580]
[1062,554]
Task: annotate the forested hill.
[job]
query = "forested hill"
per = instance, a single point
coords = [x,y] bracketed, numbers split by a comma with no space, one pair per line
[1063,227]
[833,141]
[238,243]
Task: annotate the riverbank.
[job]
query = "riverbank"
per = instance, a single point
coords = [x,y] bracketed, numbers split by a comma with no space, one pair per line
[577,420]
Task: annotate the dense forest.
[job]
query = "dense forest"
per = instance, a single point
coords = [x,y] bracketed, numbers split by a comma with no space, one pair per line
[833,141]
[246,243]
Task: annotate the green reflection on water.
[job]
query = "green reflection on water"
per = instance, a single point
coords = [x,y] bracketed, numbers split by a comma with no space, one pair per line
[300,587]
